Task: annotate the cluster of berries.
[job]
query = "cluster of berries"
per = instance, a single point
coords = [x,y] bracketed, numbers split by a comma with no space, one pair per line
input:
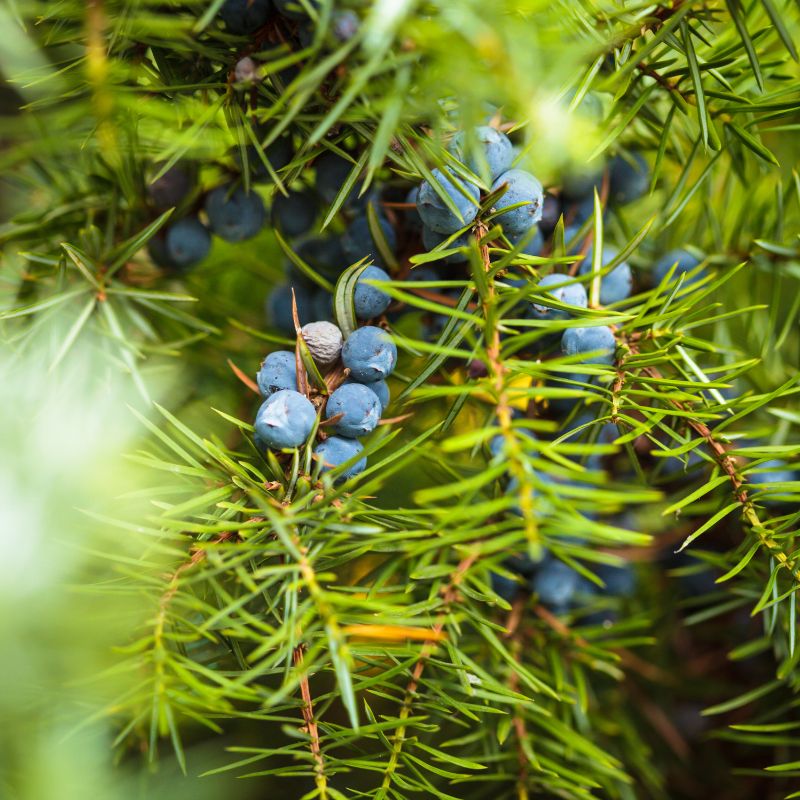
[355,395]
[229,211]
[528,218]
[329,254]
[248,17]
[560,588]
[445,213]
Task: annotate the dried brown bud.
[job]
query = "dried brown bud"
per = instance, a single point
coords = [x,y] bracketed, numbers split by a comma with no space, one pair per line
[324,342]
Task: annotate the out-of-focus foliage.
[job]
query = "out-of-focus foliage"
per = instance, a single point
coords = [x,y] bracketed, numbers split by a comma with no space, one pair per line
[63,606]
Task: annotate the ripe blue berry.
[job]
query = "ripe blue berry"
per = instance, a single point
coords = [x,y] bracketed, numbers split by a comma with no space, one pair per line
[684,261]
[619,581]
[243,17]
[551,211]
[534,242]
[344,25]
[590,107]
[495,151]
[323,253]
[187,242]
[279,154]
[285,419]
[629,177]
[573,241]
[369,354]
[335,451]
[560,288]
[617,284]
[424,272]
[580,211]
[171,189]
[359,243]
[522,188]
[581,181]
[523,564]
[436,215]
[157,250]
[555,583]
[380,388]
[330,172]
[507,588]
[359,407]
[369,301]
[294,213]
[576,341]
[278,371]
[411,215]
[235,216]
[279,306]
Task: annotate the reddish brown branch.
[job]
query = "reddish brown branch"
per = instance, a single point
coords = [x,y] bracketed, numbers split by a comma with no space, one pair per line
[310,726]
[727,463]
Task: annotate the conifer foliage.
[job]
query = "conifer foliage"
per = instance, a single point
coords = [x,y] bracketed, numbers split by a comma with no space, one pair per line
[446,355]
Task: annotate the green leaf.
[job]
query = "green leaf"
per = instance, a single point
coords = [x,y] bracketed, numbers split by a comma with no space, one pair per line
[735,9]
[379,237]
[129,248]
[743,699]
[74,331]
[83,263]
[343,308]
[694,70]
[703,490]
[777,20]
[597,252]
[752,143]
[50,302]
[708,524]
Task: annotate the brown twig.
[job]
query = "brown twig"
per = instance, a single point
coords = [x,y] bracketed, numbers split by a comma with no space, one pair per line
[249,383]
[727,464]
[300,367]
[310,726]
[196,556]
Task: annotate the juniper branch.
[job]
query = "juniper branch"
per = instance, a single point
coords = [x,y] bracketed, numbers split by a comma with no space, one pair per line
[728,465]
[449,596]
